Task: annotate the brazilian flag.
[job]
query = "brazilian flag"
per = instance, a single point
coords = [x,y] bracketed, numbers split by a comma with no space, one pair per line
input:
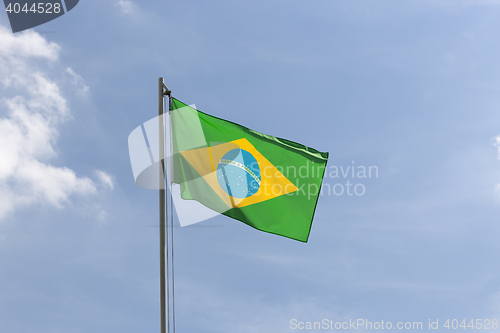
[269,183]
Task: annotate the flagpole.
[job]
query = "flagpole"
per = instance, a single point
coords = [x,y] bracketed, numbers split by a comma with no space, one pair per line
[163,257]
[164,272]
[170,182]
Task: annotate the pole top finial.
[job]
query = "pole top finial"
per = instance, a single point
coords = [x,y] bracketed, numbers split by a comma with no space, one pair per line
[166,91]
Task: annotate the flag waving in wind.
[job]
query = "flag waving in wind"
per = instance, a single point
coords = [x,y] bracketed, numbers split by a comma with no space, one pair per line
[268,183]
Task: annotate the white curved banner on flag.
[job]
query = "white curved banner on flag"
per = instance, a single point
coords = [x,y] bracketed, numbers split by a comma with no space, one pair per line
[143,143]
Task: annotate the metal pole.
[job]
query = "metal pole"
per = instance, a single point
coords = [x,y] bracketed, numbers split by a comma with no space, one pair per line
[171,208]
[163,257]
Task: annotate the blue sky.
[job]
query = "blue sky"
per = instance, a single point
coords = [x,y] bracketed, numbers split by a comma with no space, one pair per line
[410,87]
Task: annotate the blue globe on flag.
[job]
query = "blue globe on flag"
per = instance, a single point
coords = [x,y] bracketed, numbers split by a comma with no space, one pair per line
[238,174]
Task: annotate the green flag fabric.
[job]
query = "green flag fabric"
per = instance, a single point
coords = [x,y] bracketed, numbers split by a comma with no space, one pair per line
[268,183]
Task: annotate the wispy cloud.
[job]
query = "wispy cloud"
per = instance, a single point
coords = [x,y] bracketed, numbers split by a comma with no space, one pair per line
[126,6]
[497,144]
[105,179]
[30,114]
[78,81]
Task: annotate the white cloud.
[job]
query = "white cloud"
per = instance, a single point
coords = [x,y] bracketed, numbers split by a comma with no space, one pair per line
[31,112]
[50,184]
[79,82]
[126,6]
[497,144]
[26,45]
[105,179]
